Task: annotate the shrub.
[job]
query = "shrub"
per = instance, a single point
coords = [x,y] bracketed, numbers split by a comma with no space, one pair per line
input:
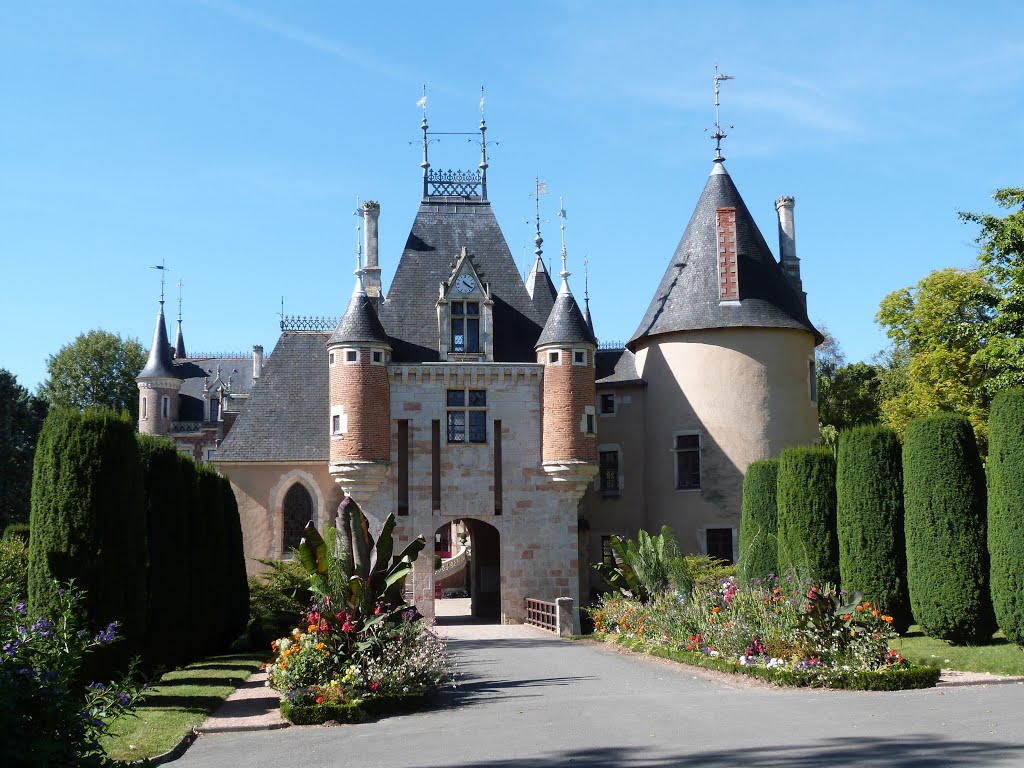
[947,559]
[17,531]
[236,584]
[208,567]
[759,524]
[708,571]
[1006,511]
[807,514]
[195,585]
[277,597]
[167,537]
[869,519]
[88,525]
[647,566]
[48,715]
[13,570]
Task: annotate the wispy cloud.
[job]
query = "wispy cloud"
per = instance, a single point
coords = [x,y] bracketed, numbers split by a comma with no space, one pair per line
[310,40]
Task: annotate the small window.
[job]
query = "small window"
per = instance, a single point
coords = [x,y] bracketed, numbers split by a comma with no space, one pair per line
[554,358]
[165,407]
[336,424]
[813,378]
[330,358]
[467,416]
[589,425]
[377,356]
[719,544]
[607,403]
[351,355]
[579,357]
[142,414]
[210,453]
[215,409]
[687,450]
[609,472]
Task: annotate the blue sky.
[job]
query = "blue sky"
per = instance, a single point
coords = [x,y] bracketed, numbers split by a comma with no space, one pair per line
[231,138]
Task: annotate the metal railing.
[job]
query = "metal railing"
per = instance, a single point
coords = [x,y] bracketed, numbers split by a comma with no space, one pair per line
[541,613]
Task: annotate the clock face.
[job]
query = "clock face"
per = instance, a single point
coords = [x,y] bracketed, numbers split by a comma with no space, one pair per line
[465,283]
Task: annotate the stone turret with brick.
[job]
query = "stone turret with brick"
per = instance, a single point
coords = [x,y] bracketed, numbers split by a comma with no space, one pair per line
[158,383]
[358,353]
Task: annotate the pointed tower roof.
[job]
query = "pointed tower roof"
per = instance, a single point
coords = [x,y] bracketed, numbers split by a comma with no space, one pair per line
[160,365]
[586,297]
[179,343]
[360,324]
[688,296]
[541,288]
[566,324]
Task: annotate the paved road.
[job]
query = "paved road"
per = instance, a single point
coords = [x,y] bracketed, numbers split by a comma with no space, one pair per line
[527,699]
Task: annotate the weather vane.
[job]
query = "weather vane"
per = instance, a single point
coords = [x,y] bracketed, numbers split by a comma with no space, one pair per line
[718,135]
[561,214]
[180,284]
[541,188]
[359,243]
[162,266]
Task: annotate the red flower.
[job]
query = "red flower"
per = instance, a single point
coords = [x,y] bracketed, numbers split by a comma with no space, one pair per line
[376,610]
[319,699]
[375,685]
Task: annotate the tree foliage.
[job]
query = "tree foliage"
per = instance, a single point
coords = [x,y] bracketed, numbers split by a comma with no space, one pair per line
[1002,262]
[807,514]
[869,519]
[759,522]
[1006,511]
[939,330]
[648,566]
[97,368]
[88,523]
[947,558]
[21,418]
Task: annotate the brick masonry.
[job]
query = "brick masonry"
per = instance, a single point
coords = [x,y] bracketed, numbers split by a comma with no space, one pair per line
[361,389]
[728,277]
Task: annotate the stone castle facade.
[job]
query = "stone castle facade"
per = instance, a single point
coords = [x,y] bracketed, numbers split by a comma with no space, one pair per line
[466,395]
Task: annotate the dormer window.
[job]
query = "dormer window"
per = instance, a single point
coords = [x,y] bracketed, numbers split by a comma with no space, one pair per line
[214,409]
[465,326]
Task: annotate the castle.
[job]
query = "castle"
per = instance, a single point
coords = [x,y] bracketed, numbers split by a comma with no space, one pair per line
[464,394]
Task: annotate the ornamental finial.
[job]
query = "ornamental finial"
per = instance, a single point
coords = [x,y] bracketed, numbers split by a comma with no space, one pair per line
[718,135]
[565,271]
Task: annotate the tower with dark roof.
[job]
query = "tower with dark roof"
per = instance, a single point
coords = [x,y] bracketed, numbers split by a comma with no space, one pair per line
[159,384]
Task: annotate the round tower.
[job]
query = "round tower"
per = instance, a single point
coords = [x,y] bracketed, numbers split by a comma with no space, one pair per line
[158,383]
[358,353]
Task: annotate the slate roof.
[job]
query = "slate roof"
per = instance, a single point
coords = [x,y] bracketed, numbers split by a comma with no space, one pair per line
[160,364]
[441,228]
[179,344]
[565,324]
[540,288]
[286,416]
[616,366]
[360,324]
[688,296]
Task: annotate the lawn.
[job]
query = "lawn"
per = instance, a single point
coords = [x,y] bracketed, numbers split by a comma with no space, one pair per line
[998,657]
[177,703]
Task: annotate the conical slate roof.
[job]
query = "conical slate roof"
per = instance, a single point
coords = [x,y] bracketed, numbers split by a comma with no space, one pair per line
[688,296]
[179,344]
[359,324]
[566,324]
[540,288]
[160,365]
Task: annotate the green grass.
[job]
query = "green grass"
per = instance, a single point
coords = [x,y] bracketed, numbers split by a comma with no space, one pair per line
[177,703]
[998,657]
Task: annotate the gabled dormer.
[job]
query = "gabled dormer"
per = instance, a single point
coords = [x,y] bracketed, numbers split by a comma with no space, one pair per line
[465,314]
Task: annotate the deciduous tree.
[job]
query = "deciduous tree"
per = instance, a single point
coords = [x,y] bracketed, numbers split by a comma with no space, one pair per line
[21,418]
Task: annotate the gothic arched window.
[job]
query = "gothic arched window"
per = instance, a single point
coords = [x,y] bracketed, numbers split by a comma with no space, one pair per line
[297,510]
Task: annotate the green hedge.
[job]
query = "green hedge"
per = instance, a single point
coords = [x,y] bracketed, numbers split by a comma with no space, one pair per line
[88,525]
[236,583]
[167,536]
[207,567]
[869,520]
[759,523]
[1006,511]
[194,585]
[807,514]
[947,558]
[884,680]
[350,712]
[17,531]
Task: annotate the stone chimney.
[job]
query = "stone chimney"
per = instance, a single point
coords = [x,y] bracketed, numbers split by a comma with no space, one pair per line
[257,361]
[787,245]
[371,269]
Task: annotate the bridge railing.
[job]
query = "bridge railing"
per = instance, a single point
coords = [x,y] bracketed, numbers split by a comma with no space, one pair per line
[555,616]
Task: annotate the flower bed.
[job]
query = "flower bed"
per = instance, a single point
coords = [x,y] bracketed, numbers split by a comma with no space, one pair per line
[815,638]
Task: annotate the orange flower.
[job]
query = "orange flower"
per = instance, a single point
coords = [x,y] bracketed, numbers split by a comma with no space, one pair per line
[716,609]
[887,619]
[875,613]
[846,617]
[311,628]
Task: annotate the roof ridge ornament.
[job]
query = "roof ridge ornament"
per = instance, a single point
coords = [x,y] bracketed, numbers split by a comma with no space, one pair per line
[540,188]
[360,289]
[564,274]
[718,135]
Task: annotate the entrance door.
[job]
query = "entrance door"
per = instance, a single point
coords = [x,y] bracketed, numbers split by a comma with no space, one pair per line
[485,569]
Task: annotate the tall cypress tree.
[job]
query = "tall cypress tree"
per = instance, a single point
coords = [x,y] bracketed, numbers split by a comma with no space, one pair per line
[237,609]
[759,523]
[1006,511]
[869,519]
[947,557]
[808,546]
[88,524]
[211,558]
[194,586]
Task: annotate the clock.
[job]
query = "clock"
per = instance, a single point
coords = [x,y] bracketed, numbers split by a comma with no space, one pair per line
[465,283]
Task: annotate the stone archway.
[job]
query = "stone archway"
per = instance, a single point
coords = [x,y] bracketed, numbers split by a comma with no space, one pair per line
[484,569]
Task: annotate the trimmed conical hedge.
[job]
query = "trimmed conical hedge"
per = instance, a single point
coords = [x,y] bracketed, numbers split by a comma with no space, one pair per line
[947,557]
[167,535]
[869,519]
[207,568]
[88,525]
[759,524]
[807,514]
[1006,511]
[236,612]
[194,587]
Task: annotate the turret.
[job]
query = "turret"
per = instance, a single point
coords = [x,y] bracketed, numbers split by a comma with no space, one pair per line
[360,403]
[158,383]
[566,348]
